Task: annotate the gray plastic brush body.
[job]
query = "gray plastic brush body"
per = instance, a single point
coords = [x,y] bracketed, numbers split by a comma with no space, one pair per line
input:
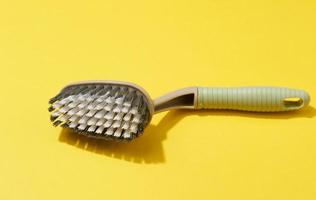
[121,111]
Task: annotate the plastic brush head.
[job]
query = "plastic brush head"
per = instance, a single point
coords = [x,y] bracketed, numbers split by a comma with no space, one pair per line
[106,110]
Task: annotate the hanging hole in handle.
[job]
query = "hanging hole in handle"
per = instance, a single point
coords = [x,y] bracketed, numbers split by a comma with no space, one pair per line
[293,102]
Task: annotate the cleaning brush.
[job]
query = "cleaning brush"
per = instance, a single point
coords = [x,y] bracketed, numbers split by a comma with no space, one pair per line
[120,111]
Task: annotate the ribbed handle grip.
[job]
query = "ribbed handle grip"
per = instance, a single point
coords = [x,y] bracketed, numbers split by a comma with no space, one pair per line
[259,99]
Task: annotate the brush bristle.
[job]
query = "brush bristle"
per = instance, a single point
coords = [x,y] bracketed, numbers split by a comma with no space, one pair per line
[101,110]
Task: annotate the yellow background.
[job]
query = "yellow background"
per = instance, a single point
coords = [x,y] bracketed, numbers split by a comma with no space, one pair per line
[160,45]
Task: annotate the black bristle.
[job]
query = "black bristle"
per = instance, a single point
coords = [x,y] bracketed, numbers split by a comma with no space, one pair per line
[56,123]
[50,109]
[53,118]
[52,100]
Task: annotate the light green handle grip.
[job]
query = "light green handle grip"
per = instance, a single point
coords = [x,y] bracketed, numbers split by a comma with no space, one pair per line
[259,99]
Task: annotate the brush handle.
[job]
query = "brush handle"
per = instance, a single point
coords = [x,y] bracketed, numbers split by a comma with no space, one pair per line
[258,99]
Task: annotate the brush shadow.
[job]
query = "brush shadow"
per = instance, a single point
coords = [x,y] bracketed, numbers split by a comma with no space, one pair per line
[308,112]
[148,148]
[145,149]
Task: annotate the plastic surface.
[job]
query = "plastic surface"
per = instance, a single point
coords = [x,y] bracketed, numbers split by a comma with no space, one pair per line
[260,99]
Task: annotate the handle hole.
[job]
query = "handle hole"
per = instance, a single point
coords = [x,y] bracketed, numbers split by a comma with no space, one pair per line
[293,102]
